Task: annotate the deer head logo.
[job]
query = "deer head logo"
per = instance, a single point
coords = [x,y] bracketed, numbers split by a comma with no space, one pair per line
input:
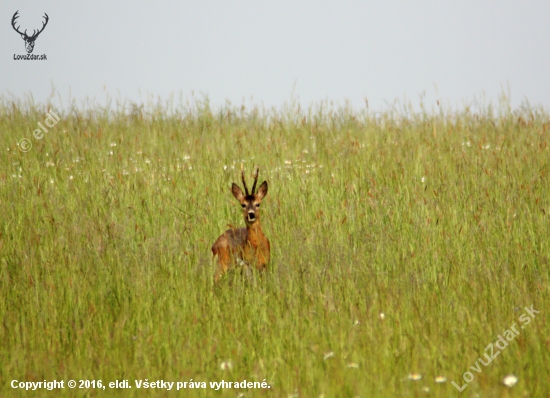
[29,40]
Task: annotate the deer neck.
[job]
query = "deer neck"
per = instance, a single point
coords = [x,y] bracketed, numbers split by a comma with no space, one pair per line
[254,229]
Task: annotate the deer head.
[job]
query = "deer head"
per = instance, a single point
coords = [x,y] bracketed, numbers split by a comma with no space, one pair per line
[250,202]
[29,40]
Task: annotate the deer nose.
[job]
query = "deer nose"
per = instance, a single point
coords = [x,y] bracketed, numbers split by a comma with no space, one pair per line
[251,216]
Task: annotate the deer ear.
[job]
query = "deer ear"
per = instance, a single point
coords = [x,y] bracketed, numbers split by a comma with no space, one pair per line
[262,191]
[237,193]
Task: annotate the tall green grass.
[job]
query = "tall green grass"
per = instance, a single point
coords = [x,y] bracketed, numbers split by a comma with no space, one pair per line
[403,244]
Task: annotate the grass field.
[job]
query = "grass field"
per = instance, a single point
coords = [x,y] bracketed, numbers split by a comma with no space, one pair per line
[402,243]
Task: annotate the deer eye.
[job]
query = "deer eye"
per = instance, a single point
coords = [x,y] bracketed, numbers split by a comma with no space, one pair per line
[257,205]
[243,206]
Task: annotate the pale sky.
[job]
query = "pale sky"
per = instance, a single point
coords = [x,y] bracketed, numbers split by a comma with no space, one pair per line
[267,52]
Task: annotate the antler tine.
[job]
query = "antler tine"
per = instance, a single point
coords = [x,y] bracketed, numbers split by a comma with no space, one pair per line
[255,179]
[244,182]
[43,25]
[13,20]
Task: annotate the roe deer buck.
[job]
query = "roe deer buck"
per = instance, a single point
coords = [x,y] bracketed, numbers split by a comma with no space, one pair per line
[248,246]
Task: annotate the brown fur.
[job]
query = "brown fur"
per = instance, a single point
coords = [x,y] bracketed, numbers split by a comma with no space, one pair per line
[248,246]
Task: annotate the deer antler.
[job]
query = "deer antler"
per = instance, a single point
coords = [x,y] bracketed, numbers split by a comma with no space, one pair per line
[244,182]
[15,16]
[35,33]
[43,26]
[255,179]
